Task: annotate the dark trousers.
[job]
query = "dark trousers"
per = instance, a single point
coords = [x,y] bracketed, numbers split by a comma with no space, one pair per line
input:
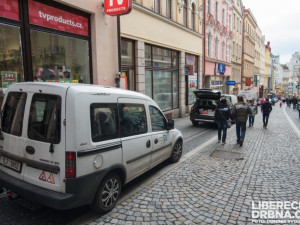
[222,126]
[266,118]
[240,131]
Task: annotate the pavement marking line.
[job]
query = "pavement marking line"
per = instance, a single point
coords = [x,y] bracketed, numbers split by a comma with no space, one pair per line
[291,122]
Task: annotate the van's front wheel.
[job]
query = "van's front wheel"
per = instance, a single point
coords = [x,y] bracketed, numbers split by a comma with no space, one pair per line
[176,152]
[107,194]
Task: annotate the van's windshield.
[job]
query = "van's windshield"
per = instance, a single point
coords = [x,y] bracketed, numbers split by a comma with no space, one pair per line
[44,118]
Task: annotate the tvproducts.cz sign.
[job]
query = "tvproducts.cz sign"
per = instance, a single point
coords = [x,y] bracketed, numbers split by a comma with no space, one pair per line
[117,7]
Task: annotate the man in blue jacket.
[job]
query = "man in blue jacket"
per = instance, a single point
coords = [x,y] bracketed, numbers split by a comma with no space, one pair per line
[266,109]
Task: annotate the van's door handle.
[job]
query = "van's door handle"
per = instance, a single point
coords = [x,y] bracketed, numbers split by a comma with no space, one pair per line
[30,150]
[148,144]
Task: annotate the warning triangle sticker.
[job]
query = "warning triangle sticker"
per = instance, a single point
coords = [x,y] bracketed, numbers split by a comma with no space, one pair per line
[42,176]
[51,179]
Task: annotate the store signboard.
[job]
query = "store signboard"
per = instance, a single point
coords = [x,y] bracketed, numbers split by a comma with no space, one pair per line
[117,7]
[8,78]
[51,17]
[9,9]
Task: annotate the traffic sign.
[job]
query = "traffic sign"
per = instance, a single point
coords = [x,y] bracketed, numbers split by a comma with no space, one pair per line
[231,82]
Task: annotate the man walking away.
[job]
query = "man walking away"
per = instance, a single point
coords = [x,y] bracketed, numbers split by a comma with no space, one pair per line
[266,110]
[240,113]
[254,112]
[222,114]
[298,107]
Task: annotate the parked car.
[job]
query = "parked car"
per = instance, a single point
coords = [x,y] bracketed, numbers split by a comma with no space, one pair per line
[67,145]
[204,108]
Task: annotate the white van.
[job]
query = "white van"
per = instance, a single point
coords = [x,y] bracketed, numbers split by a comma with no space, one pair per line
[68,145]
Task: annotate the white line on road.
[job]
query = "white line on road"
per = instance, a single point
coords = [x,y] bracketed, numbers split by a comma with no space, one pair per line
[291,122]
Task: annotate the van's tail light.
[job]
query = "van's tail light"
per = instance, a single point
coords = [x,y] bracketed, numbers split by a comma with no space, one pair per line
[192,109]
[70,164]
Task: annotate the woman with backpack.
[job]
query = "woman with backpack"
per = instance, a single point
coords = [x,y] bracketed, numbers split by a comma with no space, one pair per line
[222,114]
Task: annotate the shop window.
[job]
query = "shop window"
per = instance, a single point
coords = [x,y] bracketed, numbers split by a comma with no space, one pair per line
[11,59]
[128,65]
[56,57]
[161,77]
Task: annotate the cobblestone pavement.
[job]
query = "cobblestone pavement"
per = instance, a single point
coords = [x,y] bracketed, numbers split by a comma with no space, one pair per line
[212,190]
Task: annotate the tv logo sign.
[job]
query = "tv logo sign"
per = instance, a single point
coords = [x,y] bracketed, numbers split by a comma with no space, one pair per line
[117,7]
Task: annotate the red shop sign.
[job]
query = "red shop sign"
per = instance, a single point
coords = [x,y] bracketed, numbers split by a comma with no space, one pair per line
[248,81]
[48,16]
[9,9]
[117,7]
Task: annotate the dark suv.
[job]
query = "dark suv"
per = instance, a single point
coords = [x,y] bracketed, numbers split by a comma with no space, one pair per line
[204,108]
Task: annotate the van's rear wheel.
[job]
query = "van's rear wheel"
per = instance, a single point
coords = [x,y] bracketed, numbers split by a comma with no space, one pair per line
[108,193]
[176,152]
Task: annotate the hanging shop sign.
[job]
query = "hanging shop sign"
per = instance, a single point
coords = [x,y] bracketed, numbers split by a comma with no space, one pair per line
[51,17]
[117,7]
[231,82]
[9,9]
[221,68]
[248,81]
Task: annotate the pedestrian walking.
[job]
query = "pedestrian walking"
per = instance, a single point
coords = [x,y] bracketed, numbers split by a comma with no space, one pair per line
[266,110]
[253,108]
[280,104]
[222,114]
[240,114]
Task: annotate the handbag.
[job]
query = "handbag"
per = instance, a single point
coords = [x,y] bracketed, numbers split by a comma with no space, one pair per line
[228,122]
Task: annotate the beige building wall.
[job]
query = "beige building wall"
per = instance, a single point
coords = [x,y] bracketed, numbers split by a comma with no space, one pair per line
[145,26]
[104,40]
[236,59]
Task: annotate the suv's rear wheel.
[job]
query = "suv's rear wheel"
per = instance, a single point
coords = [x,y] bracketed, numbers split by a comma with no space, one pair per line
[195,123]
[108,193]
[176,152]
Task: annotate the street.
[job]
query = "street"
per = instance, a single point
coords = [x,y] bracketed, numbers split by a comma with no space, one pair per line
[203,188]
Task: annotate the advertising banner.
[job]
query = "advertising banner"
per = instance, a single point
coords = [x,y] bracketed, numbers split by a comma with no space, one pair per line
[8,78]
[117,7]
[48,16]
[9,9]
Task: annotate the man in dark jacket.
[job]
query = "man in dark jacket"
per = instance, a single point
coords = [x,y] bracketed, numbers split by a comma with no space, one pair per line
[240,114]
[222,114]
[266,109]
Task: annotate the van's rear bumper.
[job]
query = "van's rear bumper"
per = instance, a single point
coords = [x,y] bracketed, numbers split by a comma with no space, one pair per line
[79,191]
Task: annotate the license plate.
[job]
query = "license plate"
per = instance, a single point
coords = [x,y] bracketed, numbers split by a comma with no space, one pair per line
[11,164]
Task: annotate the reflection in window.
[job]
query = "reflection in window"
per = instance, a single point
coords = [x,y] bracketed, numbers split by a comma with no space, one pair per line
[158,121]
[133,120]
[56,57]
[44,118]
[13,113]
[104,122]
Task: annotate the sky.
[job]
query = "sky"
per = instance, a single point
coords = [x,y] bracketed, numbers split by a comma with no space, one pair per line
[279,21]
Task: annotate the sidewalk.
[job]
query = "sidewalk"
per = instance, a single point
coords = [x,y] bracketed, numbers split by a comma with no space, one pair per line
[210,189]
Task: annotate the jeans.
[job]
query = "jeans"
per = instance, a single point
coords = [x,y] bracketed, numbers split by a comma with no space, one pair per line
[299,113]
[240,131]
[251,120]
[222,126]
[266,118]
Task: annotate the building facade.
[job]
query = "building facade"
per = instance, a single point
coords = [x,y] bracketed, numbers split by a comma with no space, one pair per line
[61,41]
[248,59]
[162,45]
[237,43]
[218,44]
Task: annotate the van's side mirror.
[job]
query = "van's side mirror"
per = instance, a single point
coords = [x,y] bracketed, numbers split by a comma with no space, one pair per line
[170,124]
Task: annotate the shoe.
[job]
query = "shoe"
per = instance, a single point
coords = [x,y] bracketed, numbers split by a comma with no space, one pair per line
[219,141]
[241,143]
[266,127]
[249,125]
[223,143]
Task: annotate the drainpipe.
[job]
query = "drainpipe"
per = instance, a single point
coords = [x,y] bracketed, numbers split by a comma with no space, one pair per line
[204,42]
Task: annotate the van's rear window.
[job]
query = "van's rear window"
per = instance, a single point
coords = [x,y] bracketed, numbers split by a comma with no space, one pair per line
[44,118]
[13,113]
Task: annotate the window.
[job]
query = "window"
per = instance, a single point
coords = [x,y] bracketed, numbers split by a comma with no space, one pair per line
[133,120]
[161,76]
[233,21]
[13,113]
[193,17]
[209,6]
[217,9]
[223,51]
[56,57]
[185,19]
[229,22]
[209,45]
[169,9]
[128,63]
[216,48]
[223,17]
[158,121]
[157,6]
[44,118]
[104,121]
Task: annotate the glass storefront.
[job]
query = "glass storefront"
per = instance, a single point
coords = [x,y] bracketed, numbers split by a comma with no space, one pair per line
[128,65]
[49,42]
[55,57]
[161,77]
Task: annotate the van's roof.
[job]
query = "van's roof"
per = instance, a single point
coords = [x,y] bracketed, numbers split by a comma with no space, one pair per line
[79,87]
